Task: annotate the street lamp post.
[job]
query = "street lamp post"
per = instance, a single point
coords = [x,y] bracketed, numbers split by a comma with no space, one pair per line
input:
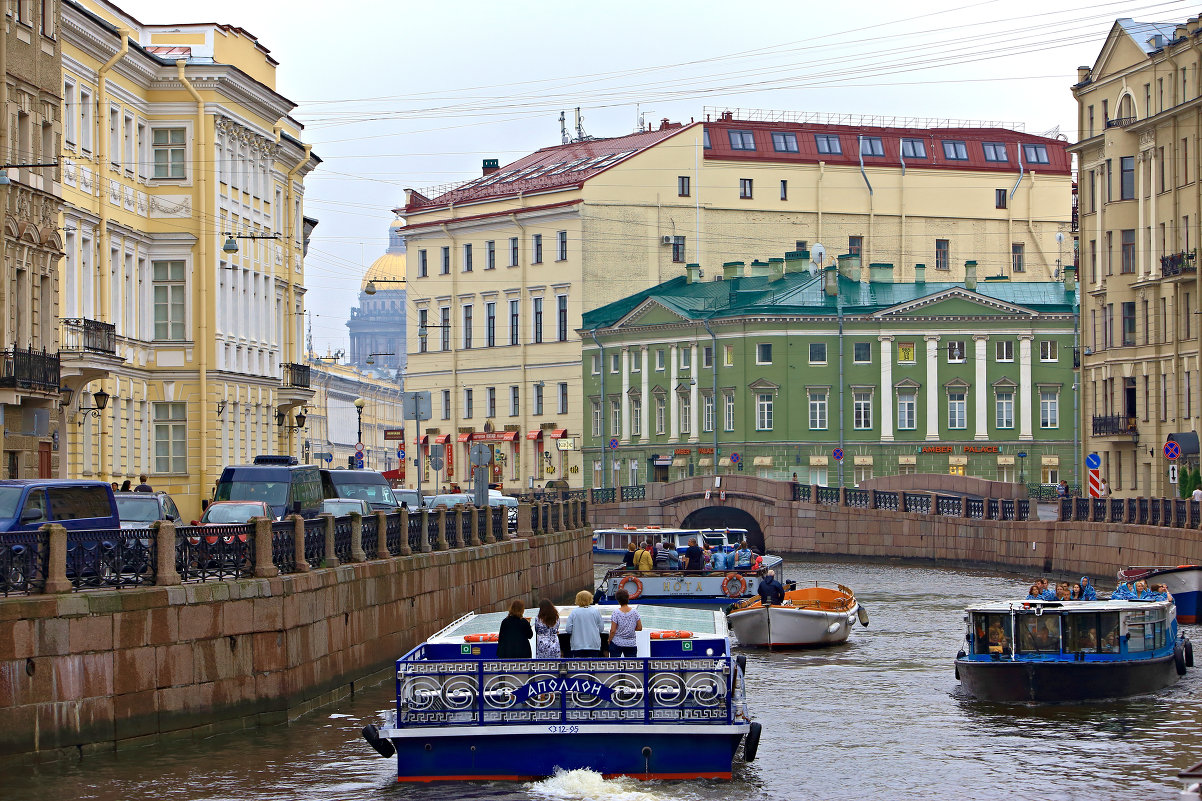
[359,404]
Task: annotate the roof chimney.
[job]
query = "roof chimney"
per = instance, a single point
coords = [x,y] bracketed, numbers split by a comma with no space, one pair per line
[663,124]
[970,275]
[732,270]
[491,166]
[849,266]
[830,280]
[1070,278]
[692,273]
[797,261]
[880,273]
[758,269]
[920,273]
[1083,74]
[776,269]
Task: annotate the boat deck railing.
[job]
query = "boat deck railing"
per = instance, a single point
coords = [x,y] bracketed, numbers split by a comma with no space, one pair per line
[566,692]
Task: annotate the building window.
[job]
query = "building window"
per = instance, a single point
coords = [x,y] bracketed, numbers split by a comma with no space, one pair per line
[1128,312]
[467,326]
[728,411]
[1017,257]
[955,352]
[659,360]
[957,409]
[682,186]
[661,406]
[615,417]
[423,264]
[561,246]
[1003,350]
[169,305]
[906,353]
[561,318]
[745,188]
[491,397]
[707,413]
[467,257]
[863,472]
[446,404]
[636,417]
[784,142]
[537,323]
[741,140]
[70,114]
[763,353]
[817,353]
[763,411]
[423,318]
[784,190]
[1127,178]
[1049,409]
[490,324]
[955,151]
[999,198]
[728,355]
[615,363]
[855,246]
[994,151]
[1127,243]
[1004,404]
[828,144]
[596,364]
[169,152]
[446,261]
[1047,350]
[1035,154]
[538,399]
[817,409]
[490,255]
[943,255]
[515,401]
[444,313]
[678,249]
[705,137]
[513,251]
[515,313]
[707,356]
[636,360]
[861,417]
[861,352]
[562,408]
[170,438]
[596,418]
[871,146]
[686,414]
[467,403]
[907,411]
[686,358]
[913,149]
[537,244]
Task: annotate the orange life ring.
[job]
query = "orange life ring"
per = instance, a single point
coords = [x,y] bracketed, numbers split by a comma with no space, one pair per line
[493,637]
[653,528]
[638,586]
[732,581]
[671,635]
[630,528]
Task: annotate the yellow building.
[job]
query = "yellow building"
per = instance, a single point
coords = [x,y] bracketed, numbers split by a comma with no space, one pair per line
[182,285]
[1140,198]
[501,268]
[335,421]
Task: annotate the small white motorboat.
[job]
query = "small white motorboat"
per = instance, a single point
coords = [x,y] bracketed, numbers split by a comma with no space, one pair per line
[809,616]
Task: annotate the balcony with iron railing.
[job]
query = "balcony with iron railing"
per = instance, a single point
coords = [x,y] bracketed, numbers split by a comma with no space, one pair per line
[89,336]
[1115,425]
[1184,263]
[29,369]
[295,376]
[1121,122]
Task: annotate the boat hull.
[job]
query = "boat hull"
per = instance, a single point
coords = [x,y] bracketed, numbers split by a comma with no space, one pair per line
[785,627]
[1019,682]
[532,752]
[1184,583]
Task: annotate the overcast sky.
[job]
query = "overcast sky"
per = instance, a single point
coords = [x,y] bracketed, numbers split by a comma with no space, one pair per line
[408,94]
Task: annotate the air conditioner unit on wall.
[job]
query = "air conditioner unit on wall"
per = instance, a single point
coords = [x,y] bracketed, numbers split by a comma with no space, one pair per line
[665,240]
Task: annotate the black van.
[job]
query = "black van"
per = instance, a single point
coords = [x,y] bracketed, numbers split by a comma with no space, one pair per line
[366,485]
[285,486]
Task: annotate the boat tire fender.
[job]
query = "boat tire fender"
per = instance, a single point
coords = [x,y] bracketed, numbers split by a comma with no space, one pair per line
[1179,659]
[1189,654]
[741,661]
[959,655]
[863,616]
[638,586]
[751,745]
[734,585]
[382,745]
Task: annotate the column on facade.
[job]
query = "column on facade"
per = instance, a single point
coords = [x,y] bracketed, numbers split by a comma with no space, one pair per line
[1101,255]
[1154,260]
[1140,251]
[1025,403]
[932,386]
[673,398]
[645,398]
[982,395]
[625,401]
[886,388]
[694,429]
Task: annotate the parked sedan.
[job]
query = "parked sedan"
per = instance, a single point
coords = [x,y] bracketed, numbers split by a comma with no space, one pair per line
[140,509]
[232,513]
[341,507]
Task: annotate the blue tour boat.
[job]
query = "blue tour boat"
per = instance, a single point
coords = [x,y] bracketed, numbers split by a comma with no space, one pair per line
[701,589]
[612,543]
[677,711]
[1184,583]
[1059,651]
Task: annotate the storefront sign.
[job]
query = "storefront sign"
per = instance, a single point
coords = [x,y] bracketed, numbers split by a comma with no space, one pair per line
[964,449]
[682,452]
[394,435]
[705,451]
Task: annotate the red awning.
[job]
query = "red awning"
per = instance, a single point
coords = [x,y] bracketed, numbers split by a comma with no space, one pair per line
[424,439]
[559,433]
[535,434]
[464,437]
[494,436]
[392,475]
[442,439]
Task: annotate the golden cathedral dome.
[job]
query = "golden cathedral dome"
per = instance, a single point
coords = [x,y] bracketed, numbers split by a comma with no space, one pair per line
[390,267]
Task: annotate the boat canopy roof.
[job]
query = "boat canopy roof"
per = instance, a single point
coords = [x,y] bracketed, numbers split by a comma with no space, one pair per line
[701,622]
[1065,607]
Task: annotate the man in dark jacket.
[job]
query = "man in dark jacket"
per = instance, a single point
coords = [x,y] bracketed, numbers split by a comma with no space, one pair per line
[694,557]
[771,590]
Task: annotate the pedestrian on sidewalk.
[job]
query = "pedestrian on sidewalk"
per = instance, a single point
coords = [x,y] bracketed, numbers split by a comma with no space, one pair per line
[142,485]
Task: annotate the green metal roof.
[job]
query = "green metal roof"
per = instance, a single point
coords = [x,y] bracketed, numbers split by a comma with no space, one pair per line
[803,294]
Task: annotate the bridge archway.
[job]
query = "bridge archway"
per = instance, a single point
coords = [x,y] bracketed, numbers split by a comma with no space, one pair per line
[726,517]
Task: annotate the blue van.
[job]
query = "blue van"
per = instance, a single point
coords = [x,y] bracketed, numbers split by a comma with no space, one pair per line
[29,504]
[287,487]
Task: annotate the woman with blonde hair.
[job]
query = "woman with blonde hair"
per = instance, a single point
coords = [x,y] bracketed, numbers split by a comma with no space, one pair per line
[585,626]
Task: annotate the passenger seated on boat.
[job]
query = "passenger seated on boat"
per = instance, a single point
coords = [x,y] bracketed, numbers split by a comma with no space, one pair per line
[707,558]
[1110,643]
[1046,593]
[1063,593]
[1142,592]
[743,557]
[1039,634]
[513,642]
[1122,592]
[585,627]
[1088,591]
[771,590]
[1158,592]
[1074,593]
[1033,594]
[997,638]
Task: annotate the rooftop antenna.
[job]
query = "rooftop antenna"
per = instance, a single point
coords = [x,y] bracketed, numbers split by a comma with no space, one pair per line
[563,129]
[638,119]
[580,134]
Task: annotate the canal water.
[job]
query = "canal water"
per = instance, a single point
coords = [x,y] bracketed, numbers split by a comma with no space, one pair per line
[879,717]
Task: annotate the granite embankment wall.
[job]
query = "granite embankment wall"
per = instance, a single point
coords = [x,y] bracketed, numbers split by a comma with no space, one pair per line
[87,671]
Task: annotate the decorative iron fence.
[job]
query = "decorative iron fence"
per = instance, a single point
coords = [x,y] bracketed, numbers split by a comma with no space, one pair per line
[948,505]
[111,558]
[886,499]
[371,536]
[342,539]
[415,532]
[29,369]
[975,508]
[916,502]
[23,562]
[81,334]
[214,553]
[432,530]
[604,495]
[451,529]
[636,492]
[828,496]
[283,545]
[315,541]
[393,532]
[857,497]
[295,375]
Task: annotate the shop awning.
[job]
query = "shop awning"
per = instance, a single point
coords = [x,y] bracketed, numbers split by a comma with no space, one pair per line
[724,461]
[1005,460]
[680,461]
[393,475]
[705,461]
[957,460]
[494,436]
[1049,461]
[424,439]
[817,461]
[465,437]
[442,439]
[862,461]
[1187,440]
[907,460]
[559,433]
[662,462]
[535,434]
[761,461]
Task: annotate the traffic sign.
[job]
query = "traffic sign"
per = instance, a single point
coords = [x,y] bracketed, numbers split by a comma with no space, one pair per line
[613,443]
[415,405]
[323,456]
[1093,461]
[1171,450]
[329,458]
[1095,483]
[1021,454]
[359,446]
[359,463]
[1172,474]
[481,454]
[838,454]
[734,458]
[400,453]
[436,462]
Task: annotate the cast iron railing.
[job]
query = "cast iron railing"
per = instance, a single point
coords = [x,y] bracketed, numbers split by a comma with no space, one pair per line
[29,369]
[295,375]
[91,336]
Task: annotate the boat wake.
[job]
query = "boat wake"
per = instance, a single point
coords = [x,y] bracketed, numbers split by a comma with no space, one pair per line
[587,785]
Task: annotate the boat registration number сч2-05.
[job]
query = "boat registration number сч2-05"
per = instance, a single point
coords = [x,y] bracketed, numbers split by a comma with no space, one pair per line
[563,729]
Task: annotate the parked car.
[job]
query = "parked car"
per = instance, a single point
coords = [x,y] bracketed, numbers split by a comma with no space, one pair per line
[449,500]
[341,507]
[77,505]
[408,497]
[281,483]
[495,498]
[232,513]
[140,509]
[367,485]
[225,552]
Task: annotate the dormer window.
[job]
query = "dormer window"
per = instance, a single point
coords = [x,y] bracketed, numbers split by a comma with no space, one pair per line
[828,144]
[784,142]
[871,146]
[995,151]
[741,140]
[954,150]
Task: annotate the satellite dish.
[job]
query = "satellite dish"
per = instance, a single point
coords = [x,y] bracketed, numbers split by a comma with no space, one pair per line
[817,254]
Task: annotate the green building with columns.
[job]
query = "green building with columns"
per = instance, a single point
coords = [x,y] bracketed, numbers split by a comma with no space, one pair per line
[771,367]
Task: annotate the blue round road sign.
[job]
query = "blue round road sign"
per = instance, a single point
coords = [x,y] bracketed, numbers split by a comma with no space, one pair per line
[1093,461]
[1171,450]
[400,453]
[734,458]
[613,443]
[838,454]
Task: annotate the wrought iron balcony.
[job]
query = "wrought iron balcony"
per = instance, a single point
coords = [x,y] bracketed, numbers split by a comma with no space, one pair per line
[82,334]
[1179,263]
[1113,425]
[29,369]
[295,375]
[1121,122]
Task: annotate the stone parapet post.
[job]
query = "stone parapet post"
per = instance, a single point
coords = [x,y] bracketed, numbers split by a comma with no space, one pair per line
[842,496]
[814,494]
[489,534]
[934,503]
[382,535]
[56,559]
[298,543]
[357,554]
[331,558]
[164,535]
[264,566]
[524,529]
[442,529]
[405,549]
[964,506]
[871,498]
[427,547]
[472,517]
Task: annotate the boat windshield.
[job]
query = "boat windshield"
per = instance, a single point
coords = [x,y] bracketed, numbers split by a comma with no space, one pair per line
[992,633]
[1092,633]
